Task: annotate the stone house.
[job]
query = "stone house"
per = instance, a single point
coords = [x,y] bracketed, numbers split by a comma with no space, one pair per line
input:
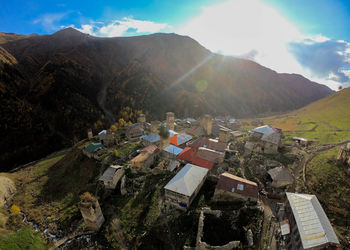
[232,188]
[270,143]
[184,186]
[134,132]
[111,176]
[280,177]
[146,157]
[310,227]
[92,149]
[301,141]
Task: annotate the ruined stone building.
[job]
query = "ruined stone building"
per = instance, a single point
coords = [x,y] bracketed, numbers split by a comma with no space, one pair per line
[344,154]
[309,225]
[280,177]
[91,211]
[182,189]
[231,188]
[111,176]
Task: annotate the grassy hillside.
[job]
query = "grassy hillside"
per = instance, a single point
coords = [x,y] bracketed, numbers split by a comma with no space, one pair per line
[326,121]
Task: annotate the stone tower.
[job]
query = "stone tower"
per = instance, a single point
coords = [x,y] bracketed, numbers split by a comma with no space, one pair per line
[155,126]
[224,135]
[141,119]
[207,124]
[170,119]
[90,133]
[91,211]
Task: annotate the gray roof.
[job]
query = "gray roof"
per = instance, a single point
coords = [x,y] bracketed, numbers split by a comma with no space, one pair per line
[151,137]
[108,174]
[187,179]
[172,165]
[266,129]
[273,138]
[313,224]
[280,174]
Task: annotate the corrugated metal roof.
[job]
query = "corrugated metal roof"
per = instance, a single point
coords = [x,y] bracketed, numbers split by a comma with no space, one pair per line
[266,129]
[173,149]
[93,146]
[202,163]
[229,182]
[172,133]
[151,138]
[103,132]
[208,143]
[180,139]
[187,154]
[187,179]
[209,154]
[313,224]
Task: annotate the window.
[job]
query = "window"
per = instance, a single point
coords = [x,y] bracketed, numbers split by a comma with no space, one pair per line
[240,187]
[233,190]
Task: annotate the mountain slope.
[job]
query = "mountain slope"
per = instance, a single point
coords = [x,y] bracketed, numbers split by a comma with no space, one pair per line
[66,82]
[325,121]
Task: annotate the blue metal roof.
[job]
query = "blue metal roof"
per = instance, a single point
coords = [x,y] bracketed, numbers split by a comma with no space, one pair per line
[103,132]
[266,130]
[173,149]
[183,138]
[151,138]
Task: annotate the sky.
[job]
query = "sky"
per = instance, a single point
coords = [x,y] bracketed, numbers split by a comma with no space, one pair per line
[308,37]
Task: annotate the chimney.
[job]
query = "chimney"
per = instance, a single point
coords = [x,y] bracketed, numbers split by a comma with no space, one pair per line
[170,119]
[207,124]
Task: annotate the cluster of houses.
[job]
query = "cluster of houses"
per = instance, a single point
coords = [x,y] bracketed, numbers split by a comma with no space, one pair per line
[190,143]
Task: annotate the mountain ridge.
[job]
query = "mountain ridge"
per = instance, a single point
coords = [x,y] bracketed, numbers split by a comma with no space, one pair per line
[62,84]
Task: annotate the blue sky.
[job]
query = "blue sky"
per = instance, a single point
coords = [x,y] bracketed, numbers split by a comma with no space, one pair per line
[309,37]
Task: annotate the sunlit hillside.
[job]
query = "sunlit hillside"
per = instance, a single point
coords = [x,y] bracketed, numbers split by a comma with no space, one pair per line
[324,121]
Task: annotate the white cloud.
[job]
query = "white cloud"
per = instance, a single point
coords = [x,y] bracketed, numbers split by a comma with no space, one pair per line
[122,27]
[50,21]
[251,29]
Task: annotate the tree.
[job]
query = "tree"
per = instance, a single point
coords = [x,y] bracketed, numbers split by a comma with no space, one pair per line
[114,128]
[163,132]
[121,122]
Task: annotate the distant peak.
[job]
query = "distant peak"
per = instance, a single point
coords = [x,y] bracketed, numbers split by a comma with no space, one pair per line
[69,30]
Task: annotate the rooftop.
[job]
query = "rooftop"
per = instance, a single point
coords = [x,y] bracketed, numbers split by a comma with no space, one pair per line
[93,146]
[266,129]
[273,138]
[180,139]
[187,179]
[313,224]
[151,138]
[280,174]
[109,173]
[173,149]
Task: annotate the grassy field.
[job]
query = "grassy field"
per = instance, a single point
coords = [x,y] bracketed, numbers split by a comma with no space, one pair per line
[25,238]
[326,121]
[331,183]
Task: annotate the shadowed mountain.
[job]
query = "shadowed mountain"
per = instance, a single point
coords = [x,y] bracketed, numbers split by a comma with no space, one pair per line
[54,87]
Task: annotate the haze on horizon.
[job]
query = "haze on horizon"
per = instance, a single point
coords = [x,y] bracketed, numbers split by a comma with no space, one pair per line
[286,36]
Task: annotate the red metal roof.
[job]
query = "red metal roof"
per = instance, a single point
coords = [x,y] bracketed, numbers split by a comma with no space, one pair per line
[187,154]
[229,183]
[202,163]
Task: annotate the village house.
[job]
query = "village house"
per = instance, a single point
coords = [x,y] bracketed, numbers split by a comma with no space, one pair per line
[180,140]
[134,132]
[195,131]
[111,176]
[92,149]
[208,143]
[258,132]
[309,225]
[146,157]
[232,188]
[270,143]
[150,139]
[184,186]
[171,152]
[189,155]
[280,177]
[102,135]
